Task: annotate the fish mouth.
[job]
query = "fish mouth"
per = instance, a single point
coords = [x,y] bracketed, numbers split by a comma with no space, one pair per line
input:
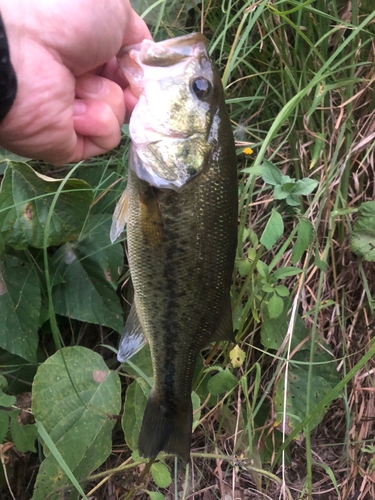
[165,53]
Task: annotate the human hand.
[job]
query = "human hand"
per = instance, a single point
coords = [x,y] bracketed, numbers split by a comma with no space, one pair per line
[71,98]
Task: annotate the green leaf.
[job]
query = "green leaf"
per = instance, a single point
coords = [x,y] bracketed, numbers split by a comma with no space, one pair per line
[74,398]
[275,306]
[284,272]
[20,304]
[161,475]
[3,383]
[279,193]
[25,200]
[134,408]
[325,376]
[237,356]
[293,200]
[23,436]
[271,174]
[222,382]
[303,187]
[273,230]
[274,330]
[195,399]
[6,400]
[90,268]
[324,379]
[244,266]
[262,269]
[282,290]
[140,365]
[362,239]
[4,425]
[155,495]
[304,238]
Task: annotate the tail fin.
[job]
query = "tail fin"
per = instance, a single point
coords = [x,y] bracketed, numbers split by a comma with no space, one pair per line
[165,429]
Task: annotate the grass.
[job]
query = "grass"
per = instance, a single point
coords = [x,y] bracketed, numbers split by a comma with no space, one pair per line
[299,81]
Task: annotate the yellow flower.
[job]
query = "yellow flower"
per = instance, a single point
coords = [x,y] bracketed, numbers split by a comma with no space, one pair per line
[248,151]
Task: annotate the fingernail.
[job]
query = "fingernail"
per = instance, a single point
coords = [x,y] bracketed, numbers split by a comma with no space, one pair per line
[79,107]
[93,84]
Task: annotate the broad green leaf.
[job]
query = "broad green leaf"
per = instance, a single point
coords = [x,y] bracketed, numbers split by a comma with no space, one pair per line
[275,306]
[134,408]
[100,180]
[262,269]
[3,383]
[279,193]
[6,400]
[222,382]
[282,290]
[273,230]
[293,200]
[362,239]
[25,200]
[75,403]
[161,475]
[284,272]
[4,425]
[237,356]
[23,436]
[20,304]
[274,330]
[244,266]
[90,268]
[324,379]
[271,174]
[155,495]
[304,238]
[303,187]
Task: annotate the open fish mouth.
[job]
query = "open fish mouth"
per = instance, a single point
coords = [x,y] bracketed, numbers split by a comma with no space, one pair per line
[165,53]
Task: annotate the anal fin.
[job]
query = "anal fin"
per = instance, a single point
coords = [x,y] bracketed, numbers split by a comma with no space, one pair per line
[133,338]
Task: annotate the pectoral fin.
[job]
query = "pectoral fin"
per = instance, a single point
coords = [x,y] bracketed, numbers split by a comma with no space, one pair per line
[133,338]
[120,216]
[224,326]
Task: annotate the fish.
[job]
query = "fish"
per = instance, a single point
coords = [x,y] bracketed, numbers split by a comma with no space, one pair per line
[180,207]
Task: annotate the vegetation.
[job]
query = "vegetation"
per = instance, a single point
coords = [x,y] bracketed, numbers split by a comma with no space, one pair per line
[289,411]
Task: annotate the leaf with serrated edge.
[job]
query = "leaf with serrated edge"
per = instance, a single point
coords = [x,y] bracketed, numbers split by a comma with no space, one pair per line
[77,418]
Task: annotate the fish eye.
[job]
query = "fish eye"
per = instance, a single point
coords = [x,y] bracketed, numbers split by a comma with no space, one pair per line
[201,87]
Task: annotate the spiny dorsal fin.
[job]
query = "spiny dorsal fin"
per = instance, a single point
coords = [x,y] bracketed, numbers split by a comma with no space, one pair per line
[133,338]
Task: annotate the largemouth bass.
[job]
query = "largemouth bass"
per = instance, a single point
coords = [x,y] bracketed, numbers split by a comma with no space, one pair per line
[180,206]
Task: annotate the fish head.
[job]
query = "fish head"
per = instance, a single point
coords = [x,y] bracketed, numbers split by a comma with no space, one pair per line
[179,91]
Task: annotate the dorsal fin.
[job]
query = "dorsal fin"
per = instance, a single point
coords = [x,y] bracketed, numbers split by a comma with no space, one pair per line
[133,338]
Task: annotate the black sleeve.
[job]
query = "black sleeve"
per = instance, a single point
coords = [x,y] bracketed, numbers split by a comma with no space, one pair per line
[8,80]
